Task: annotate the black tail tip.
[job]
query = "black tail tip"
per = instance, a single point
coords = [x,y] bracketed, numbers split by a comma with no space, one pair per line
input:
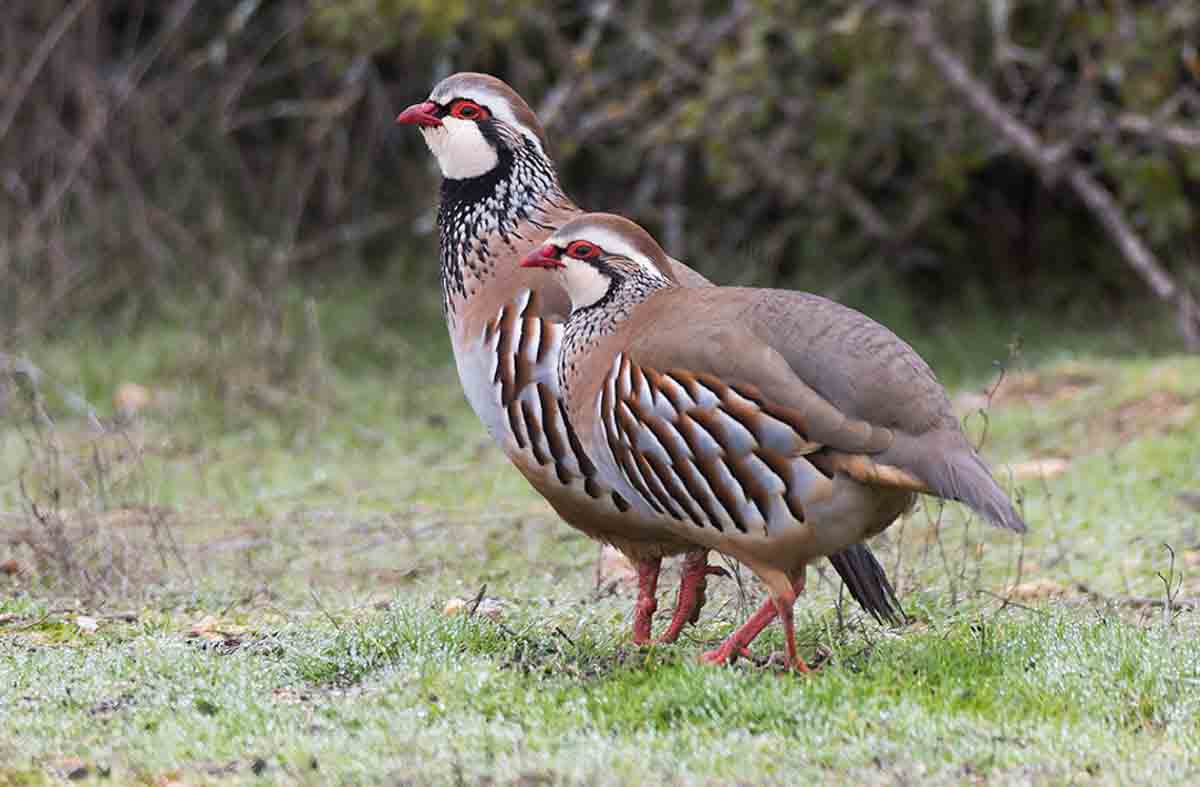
[868,584]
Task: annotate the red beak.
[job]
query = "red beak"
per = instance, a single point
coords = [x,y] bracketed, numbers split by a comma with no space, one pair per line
[423,114]
[549,257]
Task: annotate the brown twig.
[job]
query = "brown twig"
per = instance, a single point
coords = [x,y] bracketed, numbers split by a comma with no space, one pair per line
[1006,601]
[1138,602]
[1053,162]
[37,62]
[477,600]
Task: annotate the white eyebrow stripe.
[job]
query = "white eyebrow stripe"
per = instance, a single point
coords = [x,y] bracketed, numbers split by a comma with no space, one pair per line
[496,103]
[611,242]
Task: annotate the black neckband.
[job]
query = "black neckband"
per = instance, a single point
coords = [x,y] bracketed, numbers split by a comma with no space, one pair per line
[459,192]
[615,280]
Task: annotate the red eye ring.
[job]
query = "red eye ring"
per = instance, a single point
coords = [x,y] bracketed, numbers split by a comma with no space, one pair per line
[466,109]
[583,250]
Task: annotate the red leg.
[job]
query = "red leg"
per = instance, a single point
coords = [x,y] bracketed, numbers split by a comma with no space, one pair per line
[643,611]
[783,606]
[692,584]
[739,642]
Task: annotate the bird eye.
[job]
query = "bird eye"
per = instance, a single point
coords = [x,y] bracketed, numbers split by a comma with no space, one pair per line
[582,250]
[468,110]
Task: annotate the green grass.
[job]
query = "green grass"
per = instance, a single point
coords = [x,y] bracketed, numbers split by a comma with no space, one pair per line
[265,552]
[407,694]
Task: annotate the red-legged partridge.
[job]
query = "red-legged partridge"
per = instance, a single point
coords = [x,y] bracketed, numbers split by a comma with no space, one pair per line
[500,197]
[773,426]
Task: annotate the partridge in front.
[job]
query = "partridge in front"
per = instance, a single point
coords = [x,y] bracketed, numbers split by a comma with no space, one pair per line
[500,197]
[774,426]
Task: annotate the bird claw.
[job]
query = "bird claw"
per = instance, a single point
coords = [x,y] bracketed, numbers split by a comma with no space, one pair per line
[725,655]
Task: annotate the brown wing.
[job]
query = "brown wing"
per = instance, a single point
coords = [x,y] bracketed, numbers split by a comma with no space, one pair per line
[707,332]
[854,387]
[858,365]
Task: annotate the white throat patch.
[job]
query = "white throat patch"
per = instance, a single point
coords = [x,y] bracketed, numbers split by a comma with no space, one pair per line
[460,149]
[584,284]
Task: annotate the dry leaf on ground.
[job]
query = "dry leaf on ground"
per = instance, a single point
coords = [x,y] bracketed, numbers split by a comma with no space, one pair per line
[129,399]
[454,606]
[87,624]
[1036,588]
[1035,469]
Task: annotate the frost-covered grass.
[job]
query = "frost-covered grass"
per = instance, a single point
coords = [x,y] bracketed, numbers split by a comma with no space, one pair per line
[276,532]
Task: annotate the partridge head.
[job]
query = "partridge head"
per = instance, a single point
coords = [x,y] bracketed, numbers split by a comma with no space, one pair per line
[471,121]
[600,254]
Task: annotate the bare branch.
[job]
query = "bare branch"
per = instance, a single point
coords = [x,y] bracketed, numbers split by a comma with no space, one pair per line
[318,109]
[1185,136]
[1053,162]
[346,235]
[98,122]
[562,93]
[955,72]
[38,61]
[874,222]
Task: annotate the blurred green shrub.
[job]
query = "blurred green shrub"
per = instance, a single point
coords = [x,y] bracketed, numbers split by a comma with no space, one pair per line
[234,146]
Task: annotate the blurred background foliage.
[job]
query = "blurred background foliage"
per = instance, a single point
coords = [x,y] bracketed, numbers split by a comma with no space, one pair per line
[153,148]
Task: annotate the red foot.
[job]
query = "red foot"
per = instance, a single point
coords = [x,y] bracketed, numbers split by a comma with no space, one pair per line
[726,654]
[784,609]
[738,642]
[692,585]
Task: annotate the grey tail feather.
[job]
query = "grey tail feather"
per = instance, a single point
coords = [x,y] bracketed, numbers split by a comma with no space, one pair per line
[868,584]
[963,476]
